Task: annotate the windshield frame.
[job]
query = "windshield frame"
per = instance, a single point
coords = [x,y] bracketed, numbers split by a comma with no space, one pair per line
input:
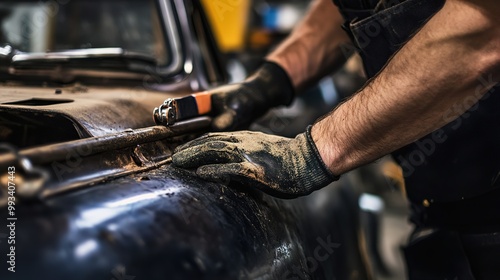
[172,39]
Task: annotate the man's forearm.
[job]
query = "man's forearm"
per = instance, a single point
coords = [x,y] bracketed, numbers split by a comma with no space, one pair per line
[314,47]
[438,68]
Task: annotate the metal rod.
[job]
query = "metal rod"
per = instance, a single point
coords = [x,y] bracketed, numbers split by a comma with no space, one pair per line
[94,145]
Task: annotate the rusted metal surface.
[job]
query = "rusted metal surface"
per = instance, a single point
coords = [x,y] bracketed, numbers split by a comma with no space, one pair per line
[84,162]
[94,145]
[95,111]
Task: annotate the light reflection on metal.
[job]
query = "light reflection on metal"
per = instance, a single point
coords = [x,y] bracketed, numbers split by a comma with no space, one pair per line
[141,197]
[86,248]
[5,50]
[188,67]
[95,216]
[372,203]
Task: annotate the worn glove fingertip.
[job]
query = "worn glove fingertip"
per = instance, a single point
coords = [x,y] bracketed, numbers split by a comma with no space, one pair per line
[184,159]
[177,159]
[209,173]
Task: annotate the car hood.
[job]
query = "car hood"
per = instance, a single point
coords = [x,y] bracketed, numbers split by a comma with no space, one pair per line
[93,111]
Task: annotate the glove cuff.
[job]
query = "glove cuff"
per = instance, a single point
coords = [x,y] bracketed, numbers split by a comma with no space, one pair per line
[273,81]
[317,173]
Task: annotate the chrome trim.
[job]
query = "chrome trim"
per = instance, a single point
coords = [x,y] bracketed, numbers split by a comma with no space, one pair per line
[169,23]
[70,73]
[193,57]
[81,53]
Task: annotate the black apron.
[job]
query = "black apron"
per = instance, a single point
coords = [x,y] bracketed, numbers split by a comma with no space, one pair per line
[452,176]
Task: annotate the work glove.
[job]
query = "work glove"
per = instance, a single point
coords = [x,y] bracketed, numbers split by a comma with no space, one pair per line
[236,106]
[282,167]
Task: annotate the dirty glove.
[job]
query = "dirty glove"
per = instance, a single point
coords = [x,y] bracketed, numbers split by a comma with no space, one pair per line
[236,106]
[281,167]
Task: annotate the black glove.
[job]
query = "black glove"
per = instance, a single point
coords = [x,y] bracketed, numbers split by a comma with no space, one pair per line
[236,106]
[281,167]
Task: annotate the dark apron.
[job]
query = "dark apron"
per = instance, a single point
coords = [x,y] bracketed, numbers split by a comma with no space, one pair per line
[452,176]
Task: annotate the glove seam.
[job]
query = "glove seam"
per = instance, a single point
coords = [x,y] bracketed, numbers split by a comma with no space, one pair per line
[316,154]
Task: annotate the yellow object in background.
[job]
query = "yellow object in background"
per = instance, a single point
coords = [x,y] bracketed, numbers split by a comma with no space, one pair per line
[229,20]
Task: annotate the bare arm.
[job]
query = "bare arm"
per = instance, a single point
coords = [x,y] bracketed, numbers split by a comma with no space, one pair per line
[314,47]
[438,68]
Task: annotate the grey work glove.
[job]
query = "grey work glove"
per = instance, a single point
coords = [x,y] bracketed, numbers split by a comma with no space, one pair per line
[281,167]
[236,106]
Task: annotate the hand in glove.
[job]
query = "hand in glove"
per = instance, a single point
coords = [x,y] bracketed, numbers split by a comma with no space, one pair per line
[279,166]
[236,106]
